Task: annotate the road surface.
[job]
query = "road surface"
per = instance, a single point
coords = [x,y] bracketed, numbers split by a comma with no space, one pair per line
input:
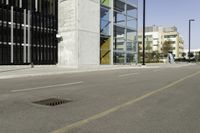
[151,100]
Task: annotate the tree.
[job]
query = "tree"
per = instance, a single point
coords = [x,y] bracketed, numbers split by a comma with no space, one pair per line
[148,50]
[199,54]
[191,55]
[139,53]
[167,47]
[183,54]
[148,45]
[156,56]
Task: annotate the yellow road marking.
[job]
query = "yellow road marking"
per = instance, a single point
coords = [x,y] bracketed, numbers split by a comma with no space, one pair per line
[116,108]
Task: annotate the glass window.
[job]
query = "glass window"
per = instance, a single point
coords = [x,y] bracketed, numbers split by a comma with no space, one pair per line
[105,3]
[132,12]
[105,13]
[119,44]
[105,27]
[170,36]
[119,18]
[130,46]
[119,6]
[129,57]
[131,35]
[132,1]
[105,23]
[131,22]
[119,58]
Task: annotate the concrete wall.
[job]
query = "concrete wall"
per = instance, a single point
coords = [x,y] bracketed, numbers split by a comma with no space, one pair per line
[88,31]
[79,22]
[67,28]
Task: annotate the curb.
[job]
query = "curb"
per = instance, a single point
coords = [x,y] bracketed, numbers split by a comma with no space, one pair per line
[88,70]
[74,71]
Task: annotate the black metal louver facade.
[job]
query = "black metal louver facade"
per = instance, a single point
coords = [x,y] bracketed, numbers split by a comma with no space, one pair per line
[28,31]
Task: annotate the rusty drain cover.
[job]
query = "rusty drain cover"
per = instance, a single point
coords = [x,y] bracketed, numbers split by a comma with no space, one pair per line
[52,101]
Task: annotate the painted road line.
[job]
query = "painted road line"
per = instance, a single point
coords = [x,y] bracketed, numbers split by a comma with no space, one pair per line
[45,87]
[129,74]
[157,70]
[116,108]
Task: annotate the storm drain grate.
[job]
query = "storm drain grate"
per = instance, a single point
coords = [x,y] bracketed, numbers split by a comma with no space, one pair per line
[52,102]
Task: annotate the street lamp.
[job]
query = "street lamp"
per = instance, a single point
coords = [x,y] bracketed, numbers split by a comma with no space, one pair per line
[144,15]
[190,20]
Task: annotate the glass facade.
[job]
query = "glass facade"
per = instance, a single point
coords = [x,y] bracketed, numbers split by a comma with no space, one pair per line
[118,30]
[28,31]
[125,31]
[105,33]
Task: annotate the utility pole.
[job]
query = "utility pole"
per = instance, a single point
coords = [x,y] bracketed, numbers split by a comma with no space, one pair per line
[190,20]
[144,16]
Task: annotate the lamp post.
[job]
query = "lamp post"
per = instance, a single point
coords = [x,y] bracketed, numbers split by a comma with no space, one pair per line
[190,20]
[144,15]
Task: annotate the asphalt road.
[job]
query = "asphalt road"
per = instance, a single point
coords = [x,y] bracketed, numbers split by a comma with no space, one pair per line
[159,100]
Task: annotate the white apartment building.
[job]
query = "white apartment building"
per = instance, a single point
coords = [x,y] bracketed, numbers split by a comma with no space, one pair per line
[171,34]
[157,35]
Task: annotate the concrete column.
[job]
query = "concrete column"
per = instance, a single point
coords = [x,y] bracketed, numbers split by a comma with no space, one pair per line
[89,32]
[67,29]
[79,28]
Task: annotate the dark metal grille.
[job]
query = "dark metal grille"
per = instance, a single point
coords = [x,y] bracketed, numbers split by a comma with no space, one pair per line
[52,102]
[43,29]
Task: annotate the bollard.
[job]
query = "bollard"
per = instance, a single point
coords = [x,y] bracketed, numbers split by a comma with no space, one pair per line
[32,65]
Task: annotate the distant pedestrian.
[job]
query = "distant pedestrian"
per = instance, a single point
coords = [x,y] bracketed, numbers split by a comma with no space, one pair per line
[169,59]
[196,59]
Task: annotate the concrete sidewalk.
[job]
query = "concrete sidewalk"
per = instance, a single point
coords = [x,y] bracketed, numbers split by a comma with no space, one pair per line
[7,72]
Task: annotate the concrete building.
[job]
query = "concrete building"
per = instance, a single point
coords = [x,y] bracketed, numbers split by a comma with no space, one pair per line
[153,38]
[157,35]
[97,32]
[70,33]
[171,34]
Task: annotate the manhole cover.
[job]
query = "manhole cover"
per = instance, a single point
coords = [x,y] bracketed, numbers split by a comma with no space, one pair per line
[52,102]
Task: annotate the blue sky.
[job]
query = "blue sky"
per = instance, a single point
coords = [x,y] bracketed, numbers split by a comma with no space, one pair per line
[174,13]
